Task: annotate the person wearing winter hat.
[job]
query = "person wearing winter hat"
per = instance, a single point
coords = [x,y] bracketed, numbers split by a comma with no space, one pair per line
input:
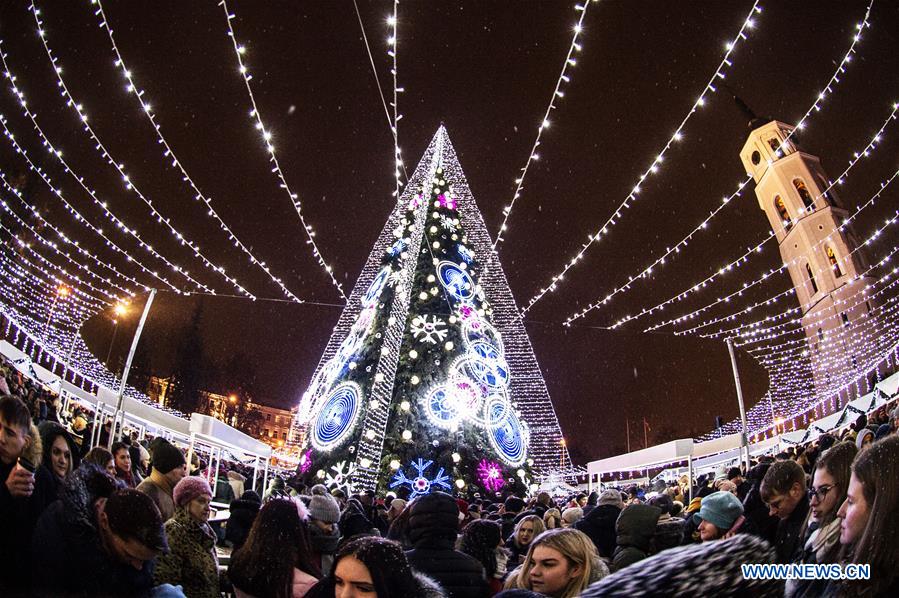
[396,507]
[192,562]
[611,497]
[433,528]
[720,516]
[864,439]
[243,513]
[571,516]
[599,524]
[324,533]
[169,467]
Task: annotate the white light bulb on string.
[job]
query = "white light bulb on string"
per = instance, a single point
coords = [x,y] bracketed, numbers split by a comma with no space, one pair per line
[632,196]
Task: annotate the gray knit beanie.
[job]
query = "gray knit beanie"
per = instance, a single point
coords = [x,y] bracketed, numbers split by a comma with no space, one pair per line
[324,508]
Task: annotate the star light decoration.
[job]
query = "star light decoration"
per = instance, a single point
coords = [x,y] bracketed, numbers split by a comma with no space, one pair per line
[342,476]
[431,329]
[491,475]
[420,484]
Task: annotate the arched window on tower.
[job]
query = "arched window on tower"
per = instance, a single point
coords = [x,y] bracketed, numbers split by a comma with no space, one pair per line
[811,278]
[834,263]
[825,185]
[781,208]
[775,146]
[804,194]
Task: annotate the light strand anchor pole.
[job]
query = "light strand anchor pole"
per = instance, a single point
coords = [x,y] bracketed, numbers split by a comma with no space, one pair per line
[121,394]
[743,437]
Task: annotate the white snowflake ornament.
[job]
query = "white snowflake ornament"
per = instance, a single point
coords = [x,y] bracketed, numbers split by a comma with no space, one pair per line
[431,329]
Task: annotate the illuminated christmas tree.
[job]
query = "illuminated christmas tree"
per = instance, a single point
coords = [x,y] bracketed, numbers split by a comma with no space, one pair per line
[429,361]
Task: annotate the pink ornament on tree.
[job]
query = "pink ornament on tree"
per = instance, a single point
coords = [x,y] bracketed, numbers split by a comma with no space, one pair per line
[446,202]
[491,475]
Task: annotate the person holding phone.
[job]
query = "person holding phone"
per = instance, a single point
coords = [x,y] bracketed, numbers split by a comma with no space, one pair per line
[25,490]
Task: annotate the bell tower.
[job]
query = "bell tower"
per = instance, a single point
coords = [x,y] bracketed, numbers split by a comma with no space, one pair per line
[820,249]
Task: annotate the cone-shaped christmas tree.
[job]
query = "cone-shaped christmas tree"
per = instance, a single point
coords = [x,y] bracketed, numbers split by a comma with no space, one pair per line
[429,380]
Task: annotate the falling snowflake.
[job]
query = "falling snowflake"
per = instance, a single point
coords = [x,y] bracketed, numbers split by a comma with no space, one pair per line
[420,484]
[447,223]
[431,329]
[342,477]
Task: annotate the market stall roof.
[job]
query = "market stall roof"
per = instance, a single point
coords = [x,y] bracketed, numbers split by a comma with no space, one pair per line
[889,386]
[670,452]
[209,430]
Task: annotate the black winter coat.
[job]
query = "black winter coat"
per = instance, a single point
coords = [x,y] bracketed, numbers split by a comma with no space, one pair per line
[67,556]
[18,517]
[599,525]
[788,541]
[243,513]
[635,528]
[432,529]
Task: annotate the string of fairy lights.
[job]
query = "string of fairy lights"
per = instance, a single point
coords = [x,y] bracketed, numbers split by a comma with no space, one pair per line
[66,238]
[557,94]
[393,43]
[744,258]
[170,156]
[703,225]
[774,298]
[87,223]
[267,136]
[655,166]
[104,153]
[792,383]
[55,248]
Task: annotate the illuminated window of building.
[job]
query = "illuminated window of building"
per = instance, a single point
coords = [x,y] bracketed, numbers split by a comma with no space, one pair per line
[781,208]
[834,263]
[804,194]
[845,319]
[811,278]
[775,145]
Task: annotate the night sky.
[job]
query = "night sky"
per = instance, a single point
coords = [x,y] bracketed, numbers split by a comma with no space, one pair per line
[486,70]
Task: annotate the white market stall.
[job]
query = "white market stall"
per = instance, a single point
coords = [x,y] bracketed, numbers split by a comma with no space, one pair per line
[218,437]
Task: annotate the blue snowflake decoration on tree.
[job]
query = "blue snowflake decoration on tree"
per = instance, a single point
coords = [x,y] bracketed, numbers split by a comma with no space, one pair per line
[420,484]
[398,247]
[465,253]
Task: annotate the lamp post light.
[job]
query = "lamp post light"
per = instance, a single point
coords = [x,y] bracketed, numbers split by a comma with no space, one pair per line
[120,310]
[62,292]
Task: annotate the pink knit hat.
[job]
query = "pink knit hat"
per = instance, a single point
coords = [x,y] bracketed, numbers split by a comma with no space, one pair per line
[190,488]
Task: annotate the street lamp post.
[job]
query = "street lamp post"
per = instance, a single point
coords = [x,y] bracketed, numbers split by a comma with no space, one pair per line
[120,310]
[61,292]
[134,341]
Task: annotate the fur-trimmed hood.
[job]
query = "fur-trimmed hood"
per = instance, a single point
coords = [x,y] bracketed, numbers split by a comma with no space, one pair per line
[428,588]
[35,452]
[707,569]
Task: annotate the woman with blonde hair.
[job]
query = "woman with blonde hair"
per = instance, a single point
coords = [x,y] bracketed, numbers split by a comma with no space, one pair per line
[527,528]
[560,563]
[552,519]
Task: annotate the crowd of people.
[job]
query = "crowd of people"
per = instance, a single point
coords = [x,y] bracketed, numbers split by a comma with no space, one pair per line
[81,520]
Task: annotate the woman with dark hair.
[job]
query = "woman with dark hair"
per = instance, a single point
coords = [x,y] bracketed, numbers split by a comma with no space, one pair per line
[60,456]
[821,538]
[376,567]
[870,520]
[483,540]
[103,459]
[124,467]
[276,560]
